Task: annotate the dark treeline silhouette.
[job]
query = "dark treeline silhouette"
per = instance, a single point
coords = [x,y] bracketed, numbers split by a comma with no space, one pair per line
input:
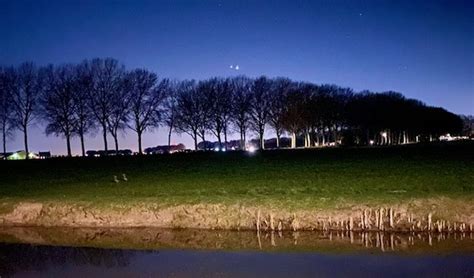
[100,94]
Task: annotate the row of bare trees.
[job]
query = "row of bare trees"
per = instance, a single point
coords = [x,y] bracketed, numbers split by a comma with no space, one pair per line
[74,100]
[100,94]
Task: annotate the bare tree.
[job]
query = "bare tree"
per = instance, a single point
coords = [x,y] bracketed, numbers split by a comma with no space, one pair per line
[310,109]
[146,100]
[171,108]
[241,102]
[293,116]
[107,81]
[188,110]
[260,107]
[217,94]
[225,91]
[26,89]
[83,113]
[278,92]
[6,109]
[58,106]
[118,118]
[204,108]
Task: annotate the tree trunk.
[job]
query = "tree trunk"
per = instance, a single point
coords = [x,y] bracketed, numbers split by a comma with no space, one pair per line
[68,145]
[293,140]
[367,136]
[219,139]
[104,134]
[242,139]
[116,144]
[225,136]
[278,138]
[4,137]
[83,148]
[139,142]
[195,141]
[25,133]
[262,141]
[169,136]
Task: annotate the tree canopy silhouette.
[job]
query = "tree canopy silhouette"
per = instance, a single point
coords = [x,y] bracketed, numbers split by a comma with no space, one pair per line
[74,99]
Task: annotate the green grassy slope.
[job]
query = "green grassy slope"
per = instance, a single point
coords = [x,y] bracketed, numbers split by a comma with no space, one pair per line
[295,178]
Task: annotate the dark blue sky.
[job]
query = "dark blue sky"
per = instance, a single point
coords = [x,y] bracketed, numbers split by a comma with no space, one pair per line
[423,49]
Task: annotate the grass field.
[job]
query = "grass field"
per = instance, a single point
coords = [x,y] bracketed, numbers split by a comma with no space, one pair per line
[286,178]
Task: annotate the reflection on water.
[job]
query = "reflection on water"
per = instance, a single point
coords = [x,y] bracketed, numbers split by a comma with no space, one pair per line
[44,252]
[152,238]
[33,259]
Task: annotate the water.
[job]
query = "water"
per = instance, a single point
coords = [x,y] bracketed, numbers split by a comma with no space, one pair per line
[54,252]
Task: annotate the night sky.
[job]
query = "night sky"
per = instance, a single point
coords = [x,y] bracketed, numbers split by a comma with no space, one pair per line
[423,49]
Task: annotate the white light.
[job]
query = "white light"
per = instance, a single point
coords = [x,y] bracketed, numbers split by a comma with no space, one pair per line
[223,149]
[371,142]
[251,149]
[216,149]
[384,134]
[237,67]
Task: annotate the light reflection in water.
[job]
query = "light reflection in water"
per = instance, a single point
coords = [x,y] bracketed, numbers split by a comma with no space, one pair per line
[33,252]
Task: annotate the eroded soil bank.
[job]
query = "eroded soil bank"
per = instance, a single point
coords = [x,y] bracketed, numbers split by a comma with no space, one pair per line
[440,214]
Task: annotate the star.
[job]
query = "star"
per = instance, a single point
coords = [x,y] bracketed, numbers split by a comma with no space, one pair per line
[237,67]
[231,66]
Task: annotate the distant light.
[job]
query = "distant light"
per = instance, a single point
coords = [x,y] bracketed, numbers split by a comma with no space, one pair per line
[384,134]
[371,142]
[237,67]
[223,149]
[233,148]
[216,149]
[448,137]
[251,149]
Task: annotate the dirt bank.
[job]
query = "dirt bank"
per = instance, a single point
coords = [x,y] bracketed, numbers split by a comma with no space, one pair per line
[441,215]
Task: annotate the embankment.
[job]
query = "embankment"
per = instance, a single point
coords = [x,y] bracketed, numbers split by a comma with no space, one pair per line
[435,214]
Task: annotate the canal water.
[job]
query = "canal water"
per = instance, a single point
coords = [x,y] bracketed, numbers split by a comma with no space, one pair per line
[55,252]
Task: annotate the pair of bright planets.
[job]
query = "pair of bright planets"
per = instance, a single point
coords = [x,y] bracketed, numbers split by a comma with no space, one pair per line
[237,67]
